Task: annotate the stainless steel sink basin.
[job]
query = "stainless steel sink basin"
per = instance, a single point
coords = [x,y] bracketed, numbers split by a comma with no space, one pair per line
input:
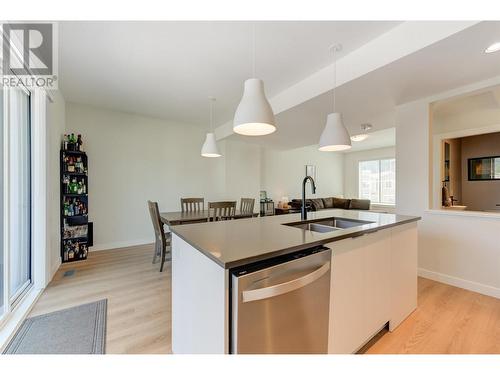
[314,227]
[343,223]
[329,225]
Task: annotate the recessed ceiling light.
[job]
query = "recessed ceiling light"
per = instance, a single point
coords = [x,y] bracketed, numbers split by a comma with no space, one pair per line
[359,137]
[493,48]
[362,136]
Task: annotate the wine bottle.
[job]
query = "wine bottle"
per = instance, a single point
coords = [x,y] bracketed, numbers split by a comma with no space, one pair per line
[71,164]
[73,187]
[77,164]
[79,142]
[65,183]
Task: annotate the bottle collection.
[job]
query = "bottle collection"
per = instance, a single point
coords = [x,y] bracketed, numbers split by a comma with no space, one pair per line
[74,250]
[76,231]
[70,142]
[74,185]
[74,207]
[74,164]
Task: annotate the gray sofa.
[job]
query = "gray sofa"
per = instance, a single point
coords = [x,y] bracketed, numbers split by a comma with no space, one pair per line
[317,204]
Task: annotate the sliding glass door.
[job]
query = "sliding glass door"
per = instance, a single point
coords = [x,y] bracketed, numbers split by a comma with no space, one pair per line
[20,193]
[15,197]
[2,212]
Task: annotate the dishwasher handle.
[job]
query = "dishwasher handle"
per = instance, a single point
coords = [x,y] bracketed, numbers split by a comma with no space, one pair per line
[289,286]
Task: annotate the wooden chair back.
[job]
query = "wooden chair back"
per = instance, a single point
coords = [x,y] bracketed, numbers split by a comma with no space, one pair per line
[154,212]
[221,210]
[192,204]
[246,206]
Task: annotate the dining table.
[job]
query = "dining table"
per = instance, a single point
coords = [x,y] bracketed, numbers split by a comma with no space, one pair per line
[191,217]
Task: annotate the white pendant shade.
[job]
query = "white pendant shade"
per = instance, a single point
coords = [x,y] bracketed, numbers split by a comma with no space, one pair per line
[254,115]
[209,149]
[335,136]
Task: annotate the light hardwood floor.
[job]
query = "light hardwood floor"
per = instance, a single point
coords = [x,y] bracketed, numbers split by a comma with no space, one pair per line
[448,319]
[138,297]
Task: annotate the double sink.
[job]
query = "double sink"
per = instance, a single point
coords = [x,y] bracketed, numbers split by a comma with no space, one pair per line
[329,224]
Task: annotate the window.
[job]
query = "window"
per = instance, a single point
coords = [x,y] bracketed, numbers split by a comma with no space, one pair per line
[377,181]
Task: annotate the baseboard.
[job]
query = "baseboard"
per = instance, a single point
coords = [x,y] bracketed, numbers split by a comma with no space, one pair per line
[473,286]
[54,269]
[120,244]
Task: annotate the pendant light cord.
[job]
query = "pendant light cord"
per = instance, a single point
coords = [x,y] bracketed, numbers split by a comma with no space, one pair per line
[212,101]
[253,50]
[334,75]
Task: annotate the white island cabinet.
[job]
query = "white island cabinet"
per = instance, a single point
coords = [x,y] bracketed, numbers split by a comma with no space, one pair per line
[372,276]
[373,282]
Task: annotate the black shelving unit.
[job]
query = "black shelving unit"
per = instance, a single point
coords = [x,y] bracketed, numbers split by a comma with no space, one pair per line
[76,230]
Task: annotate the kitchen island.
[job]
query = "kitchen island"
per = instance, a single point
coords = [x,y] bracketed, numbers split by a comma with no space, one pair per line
[371,274]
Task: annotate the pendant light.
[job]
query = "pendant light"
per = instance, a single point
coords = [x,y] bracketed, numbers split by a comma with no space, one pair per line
[363,135]
[335,136]
[254,115]
[209,149]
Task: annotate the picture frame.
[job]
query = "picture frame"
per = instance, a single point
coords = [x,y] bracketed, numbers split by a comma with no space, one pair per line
[311,171]
[263,195]
[486,168]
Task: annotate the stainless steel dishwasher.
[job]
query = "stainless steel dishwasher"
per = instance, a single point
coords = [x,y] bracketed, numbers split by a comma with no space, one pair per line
[282,305]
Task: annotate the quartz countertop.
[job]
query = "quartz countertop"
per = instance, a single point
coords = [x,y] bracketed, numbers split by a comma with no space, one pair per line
[234,243]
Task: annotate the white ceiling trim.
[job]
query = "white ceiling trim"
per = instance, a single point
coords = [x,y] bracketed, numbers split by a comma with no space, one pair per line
[402,40]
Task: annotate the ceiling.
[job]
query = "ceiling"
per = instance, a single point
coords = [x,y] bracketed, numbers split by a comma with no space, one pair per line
[456,61]
[168,69]
[486,99]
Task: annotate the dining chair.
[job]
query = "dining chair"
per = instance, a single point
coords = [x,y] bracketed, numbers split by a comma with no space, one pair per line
[246,207]
[162,239]
[221,210]
[192,204]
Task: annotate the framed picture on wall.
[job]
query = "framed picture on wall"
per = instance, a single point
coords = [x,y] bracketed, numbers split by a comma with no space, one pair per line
[311,171]
[263,196]
[485,168]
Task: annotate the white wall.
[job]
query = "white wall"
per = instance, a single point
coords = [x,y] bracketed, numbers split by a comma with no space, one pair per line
[56,112]
[133,159]
[466,118]
[242,170]
[351,167]
[283,172]
[453,248]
